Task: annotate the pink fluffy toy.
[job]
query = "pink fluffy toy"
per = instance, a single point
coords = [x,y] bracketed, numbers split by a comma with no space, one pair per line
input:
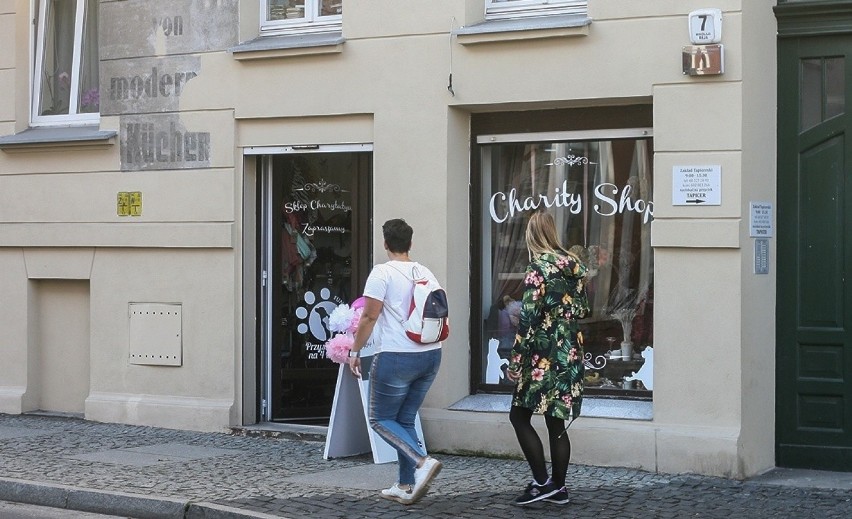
[343,323]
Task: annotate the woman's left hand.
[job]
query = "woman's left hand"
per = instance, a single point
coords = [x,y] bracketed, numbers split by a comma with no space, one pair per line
[355,366]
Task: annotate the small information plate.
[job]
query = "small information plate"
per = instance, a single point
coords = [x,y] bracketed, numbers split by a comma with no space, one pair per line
[760,220]
[761,256]
[697,185]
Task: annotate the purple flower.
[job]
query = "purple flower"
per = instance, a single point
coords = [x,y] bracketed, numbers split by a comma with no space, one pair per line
[91,98]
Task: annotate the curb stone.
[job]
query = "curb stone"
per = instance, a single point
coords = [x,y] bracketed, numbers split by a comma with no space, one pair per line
[19,491]
[214,511]
[117,503]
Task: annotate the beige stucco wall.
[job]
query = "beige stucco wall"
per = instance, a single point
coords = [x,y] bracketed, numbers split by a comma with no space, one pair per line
[713,316]
[387,86]
[58,221]
[759,165]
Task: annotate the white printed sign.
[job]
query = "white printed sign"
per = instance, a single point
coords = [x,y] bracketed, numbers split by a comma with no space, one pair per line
[349,431]
[760,221]
[697,185]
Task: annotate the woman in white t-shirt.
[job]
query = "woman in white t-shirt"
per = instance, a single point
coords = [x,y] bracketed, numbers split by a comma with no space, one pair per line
[402,370]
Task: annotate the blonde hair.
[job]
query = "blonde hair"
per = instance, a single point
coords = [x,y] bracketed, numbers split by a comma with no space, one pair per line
[541,235]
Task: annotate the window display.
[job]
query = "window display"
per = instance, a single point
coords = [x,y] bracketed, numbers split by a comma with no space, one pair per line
[495,9]
[301,15]
[600,195]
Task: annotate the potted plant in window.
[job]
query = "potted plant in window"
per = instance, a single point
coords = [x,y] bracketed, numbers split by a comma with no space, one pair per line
[623,309]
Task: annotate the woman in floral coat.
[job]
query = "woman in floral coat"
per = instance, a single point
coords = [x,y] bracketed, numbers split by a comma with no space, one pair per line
[547,357]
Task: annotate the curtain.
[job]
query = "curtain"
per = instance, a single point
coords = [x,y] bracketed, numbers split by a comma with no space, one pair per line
[58,44]
[514,170]
[89,101]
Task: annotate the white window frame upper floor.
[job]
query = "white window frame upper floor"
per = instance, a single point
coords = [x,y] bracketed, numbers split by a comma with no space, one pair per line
[75,113]
[312,21]
[508,9]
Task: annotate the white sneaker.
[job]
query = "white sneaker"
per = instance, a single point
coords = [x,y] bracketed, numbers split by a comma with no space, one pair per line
[424,475]
[399,495]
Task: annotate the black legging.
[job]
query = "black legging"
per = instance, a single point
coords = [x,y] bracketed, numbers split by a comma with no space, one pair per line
[560,445]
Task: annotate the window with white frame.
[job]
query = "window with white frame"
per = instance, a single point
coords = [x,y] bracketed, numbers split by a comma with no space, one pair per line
[285,16]
[65,83]
[496,9]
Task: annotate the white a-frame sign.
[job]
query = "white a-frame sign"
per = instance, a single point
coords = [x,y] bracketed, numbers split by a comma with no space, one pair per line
[349,431]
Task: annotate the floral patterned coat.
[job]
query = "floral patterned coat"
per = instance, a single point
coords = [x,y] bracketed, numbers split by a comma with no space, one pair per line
[548,348]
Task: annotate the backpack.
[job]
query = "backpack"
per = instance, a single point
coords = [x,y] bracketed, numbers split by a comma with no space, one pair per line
[428,318]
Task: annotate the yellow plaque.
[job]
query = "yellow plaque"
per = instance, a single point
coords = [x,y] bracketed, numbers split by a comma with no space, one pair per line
[123,205]
[136,203]
[129,203]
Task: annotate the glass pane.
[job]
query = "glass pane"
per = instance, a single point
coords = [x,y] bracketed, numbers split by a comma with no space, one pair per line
[312,274]
[835,87]
[89,87]
[286,10]
[331,7]
[527,2]
[599,194]
[58,57]
[810,111]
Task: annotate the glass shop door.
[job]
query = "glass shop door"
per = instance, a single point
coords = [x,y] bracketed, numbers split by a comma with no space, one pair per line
[315,255]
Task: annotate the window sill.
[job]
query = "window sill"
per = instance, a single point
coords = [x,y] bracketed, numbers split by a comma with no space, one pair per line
[592,407]
[269,47]
[532,28]
[38,139]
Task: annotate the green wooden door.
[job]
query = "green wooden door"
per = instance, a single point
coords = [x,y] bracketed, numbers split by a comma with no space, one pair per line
[814,307]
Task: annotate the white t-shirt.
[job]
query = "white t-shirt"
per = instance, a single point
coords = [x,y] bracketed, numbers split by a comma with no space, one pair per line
[391,286]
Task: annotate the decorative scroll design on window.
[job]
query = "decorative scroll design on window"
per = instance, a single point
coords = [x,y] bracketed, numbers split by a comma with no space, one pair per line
[321,187]
[597,363]
[570,160]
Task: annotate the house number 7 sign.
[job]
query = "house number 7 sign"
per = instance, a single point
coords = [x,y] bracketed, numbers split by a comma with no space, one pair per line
[705,26]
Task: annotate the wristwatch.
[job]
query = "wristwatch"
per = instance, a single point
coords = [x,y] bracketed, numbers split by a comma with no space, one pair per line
[354,354]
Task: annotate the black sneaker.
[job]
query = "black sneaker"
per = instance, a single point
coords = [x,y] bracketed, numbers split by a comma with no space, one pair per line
[560,497]
[536,492]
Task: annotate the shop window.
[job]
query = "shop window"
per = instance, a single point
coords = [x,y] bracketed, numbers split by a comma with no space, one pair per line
[598,187]
[287,16]
[65,85]
[498,9]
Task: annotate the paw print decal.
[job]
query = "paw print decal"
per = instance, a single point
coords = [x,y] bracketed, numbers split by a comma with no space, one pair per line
[315,313]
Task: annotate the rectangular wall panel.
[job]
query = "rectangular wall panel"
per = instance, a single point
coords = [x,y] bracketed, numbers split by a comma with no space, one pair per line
[155,334]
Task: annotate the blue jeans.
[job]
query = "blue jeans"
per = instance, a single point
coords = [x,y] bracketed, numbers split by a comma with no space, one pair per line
[398,386]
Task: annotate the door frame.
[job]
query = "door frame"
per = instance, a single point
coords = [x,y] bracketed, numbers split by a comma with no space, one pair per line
[263,308]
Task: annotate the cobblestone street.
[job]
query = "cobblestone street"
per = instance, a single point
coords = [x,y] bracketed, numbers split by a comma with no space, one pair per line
[252,476]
